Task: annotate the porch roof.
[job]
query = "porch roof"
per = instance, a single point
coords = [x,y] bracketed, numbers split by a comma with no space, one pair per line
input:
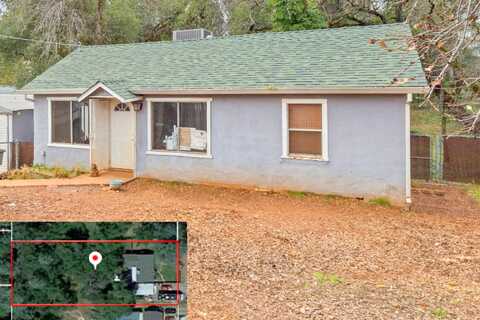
[116,89]
[4,110]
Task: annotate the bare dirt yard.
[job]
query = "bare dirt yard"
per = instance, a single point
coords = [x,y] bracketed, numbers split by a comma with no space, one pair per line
[260,255]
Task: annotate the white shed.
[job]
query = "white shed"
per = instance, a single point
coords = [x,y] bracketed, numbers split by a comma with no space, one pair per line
[16,122]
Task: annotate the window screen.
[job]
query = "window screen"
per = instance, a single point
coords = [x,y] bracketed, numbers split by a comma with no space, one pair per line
[305,129]
[61,125]
[164,120]
[80,123]
[70,122]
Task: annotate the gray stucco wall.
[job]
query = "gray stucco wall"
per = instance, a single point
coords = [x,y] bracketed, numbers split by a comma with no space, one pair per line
[22,123]
[366,148]
[53,156]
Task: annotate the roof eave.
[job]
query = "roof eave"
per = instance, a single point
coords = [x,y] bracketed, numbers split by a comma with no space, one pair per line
[51,91]
[337,90]
[266,91]
[5,111]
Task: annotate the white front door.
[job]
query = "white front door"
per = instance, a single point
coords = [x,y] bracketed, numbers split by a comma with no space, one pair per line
[122,137]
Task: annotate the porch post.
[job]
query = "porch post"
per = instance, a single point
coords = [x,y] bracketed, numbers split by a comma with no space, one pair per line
[90,129]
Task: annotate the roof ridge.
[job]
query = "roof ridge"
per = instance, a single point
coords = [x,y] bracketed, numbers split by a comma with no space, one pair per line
[244,35]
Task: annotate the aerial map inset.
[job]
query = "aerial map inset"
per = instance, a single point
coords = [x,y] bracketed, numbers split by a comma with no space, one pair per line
[108,271]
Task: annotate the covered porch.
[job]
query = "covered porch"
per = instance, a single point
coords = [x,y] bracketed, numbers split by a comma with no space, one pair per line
[112,128]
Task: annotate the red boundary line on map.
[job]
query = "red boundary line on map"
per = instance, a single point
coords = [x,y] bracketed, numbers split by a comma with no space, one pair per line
[177,275]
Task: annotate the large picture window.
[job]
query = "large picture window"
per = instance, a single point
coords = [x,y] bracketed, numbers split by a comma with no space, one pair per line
[69,122]
[179,126]
[305,129]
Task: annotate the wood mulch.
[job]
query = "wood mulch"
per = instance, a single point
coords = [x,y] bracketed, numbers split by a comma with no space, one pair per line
[261,255]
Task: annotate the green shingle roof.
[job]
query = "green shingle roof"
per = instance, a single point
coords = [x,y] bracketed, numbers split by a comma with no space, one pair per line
[145,266]
[325,58]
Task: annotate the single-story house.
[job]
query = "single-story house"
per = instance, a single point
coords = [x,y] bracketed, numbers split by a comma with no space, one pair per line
[325,111]
[141,264]
[16,124]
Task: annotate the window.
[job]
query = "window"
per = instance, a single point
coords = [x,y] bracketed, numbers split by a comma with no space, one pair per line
[305,129]
[69,122]
[121,107]
[180,126]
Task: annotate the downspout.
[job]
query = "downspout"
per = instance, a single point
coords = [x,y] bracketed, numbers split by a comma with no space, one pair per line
[8,143]
[408,175]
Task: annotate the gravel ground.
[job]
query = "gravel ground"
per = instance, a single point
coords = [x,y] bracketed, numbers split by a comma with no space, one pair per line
[259,255]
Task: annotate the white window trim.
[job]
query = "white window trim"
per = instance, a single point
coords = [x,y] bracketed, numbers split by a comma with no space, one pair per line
[56,144]
[285,130]
[151,151]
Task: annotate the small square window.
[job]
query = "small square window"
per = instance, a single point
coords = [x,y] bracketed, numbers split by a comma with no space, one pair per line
[305,135]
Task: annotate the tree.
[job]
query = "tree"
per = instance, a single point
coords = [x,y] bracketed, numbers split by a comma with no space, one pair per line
[122,23]
[250,16]
[4,303]
[56,25]
[446,35]
[225,16]
[200,14]
[99,24]
[162,231]
[46,273]
[288,15]
[4,258]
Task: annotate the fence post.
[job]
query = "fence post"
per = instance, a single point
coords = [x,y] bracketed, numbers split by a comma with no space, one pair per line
[437,158]
[17,154]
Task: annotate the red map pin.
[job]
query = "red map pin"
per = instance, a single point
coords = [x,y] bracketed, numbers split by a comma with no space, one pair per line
[95,258]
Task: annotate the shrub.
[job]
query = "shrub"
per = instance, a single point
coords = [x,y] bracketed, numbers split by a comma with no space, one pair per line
[439,313]
[380,201]
[474,192]
[296,194]
[43,172]
[324,278]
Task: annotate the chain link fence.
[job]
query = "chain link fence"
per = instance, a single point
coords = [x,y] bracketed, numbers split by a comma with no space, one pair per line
[445,158]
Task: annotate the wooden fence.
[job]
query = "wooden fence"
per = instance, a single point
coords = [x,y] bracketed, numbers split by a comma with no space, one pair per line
[461,159]
[420,154]
[450,158]
[25,154]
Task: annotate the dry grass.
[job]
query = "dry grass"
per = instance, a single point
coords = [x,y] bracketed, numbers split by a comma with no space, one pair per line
[43,172]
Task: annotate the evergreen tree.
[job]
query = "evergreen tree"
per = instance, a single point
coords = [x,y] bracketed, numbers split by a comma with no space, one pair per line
[4,303]
[288,15]
[62,273]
